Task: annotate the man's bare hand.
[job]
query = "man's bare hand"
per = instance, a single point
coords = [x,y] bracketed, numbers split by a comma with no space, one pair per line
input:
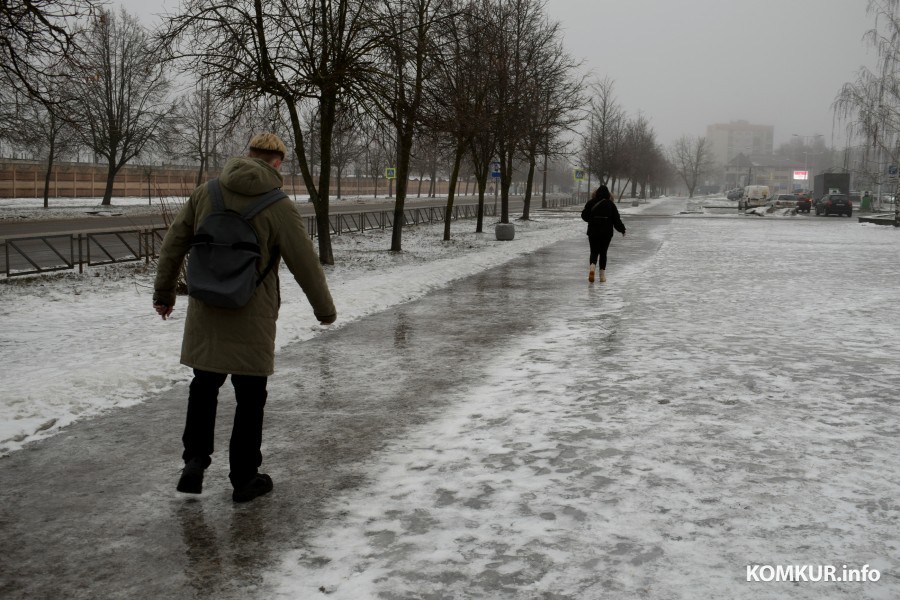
[163,310]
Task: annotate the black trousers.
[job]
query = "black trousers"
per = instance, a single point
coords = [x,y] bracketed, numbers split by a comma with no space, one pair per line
[244,455]
[599,246]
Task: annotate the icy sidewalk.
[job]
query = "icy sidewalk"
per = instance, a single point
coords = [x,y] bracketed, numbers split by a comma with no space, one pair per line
[707,410]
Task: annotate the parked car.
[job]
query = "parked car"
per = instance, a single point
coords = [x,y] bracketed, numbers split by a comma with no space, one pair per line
[782,201]
[804,202]
[735,194]
[834,204]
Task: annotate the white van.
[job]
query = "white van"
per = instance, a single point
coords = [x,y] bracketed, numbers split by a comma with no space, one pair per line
[755,195]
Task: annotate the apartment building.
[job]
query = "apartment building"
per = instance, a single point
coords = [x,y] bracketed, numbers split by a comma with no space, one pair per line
[727,140]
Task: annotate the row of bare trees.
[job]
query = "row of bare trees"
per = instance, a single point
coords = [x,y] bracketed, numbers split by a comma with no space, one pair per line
[74,74]
[405,83]
[623,153]
[477,80]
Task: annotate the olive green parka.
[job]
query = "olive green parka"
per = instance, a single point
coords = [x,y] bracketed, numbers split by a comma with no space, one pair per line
[241,341]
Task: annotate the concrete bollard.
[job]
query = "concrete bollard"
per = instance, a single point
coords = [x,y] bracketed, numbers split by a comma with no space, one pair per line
[505,231]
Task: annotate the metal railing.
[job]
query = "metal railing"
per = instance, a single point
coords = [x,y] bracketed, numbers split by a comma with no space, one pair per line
[342,223]
[29,255]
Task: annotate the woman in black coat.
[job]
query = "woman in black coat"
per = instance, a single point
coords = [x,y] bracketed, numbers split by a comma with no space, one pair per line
[602,217]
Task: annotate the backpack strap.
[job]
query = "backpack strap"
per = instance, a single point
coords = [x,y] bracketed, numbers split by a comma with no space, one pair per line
[265,201]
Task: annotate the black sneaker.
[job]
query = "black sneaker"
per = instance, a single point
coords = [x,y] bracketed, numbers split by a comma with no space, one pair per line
[260,484]
[191,481]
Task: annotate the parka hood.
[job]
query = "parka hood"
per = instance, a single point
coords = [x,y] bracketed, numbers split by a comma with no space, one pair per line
[250,176]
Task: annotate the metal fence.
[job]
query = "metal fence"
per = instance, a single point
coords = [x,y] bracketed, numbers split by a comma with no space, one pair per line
[28,255]
[342,223]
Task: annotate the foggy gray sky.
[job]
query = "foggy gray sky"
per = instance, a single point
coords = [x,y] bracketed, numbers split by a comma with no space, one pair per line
[691,63]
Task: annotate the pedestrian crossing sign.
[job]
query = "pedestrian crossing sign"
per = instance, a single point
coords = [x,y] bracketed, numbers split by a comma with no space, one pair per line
[579,175]
[390,173]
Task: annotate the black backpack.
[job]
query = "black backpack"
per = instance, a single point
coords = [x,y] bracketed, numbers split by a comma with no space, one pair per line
[221,269]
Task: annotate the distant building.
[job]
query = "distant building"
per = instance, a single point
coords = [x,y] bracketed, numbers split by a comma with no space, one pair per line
[777,172]
[727,140]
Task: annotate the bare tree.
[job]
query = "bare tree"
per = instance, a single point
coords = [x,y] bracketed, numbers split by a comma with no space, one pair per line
[121,92]
[44,126]
[346,143]
[870,105]
[521,33]
[379,151]
[691,158]
[39,36]
[424,160]
[607,123]
[639,153]
[409,48]
[483,148]
[456,106]
[555,101]
[199,122]
[295,51]
[659,172]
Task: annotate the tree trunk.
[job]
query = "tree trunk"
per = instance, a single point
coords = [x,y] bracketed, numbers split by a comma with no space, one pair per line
[448,214]
[529,185]
[482,188]
[623,188]
[320,203]
[404,150]
[201,170]
[110,180]
[544,181]
[50,155]
[328,112]
[506,159]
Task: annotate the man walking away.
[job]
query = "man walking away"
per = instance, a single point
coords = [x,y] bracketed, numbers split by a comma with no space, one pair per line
[240,342]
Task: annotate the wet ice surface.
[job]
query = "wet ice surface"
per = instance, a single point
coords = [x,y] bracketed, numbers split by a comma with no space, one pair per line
[726,400]
[75,346]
